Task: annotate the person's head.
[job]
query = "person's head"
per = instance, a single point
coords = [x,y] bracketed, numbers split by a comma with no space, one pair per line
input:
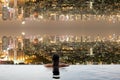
[55,57]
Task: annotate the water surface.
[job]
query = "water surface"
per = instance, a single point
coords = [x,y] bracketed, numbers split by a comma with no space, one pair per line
[73,72]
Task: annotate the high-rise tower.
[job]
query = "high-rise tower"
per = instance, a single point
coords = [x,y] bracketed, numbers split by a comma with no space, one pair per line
[5,43]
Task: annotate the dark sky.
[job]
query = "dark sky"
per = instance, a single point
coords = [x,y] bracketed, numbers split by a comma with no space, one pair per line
[56,27]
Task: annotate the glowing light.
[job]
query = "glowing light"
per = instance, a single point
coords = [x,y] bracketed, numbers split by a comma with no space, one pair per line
[91,5]
[40,16]
[67,17]
[23,22]
[23,33]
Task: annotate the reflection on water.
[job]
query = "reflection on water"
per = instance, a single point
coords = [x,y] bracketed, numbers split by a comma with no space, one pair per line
[73,72]
[56,79]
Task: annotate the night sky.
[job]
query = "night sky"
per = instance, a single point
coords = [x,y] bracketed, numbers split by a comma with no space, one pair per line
[90,28]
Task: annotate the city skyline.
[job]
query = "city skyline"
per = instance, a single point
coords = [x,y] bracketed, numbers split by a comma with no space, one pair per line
[91,28]
[79,20]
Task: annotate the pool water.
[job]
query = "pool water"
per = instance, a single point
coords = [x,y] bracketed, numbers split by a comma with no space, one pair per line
[73,72]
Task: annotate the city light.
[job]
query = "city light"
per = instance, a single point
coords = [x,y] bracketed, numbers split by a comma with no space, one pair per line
[81,31]
[23,22]
[23,33]
[86,9]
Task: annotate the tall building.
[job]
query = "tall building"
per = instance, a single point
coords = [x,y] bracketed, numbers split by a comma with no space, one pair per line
[11,55]
[20,55]
[5,43]
[20,46]
[26,43]
[46,39]
[57,38]
[5,13]
[19,3]
[0,7]
[0,46]
[11,42]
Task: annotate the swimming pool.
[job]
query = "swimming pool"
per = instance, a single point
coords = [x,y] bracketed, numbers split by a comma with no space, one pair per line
[73,72]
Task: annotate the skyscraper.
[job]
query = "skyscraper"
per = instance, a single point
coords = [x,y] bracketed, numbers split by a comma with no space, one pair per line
[5,43]
[0,7]
[26,43]
[5,13]
[0,46]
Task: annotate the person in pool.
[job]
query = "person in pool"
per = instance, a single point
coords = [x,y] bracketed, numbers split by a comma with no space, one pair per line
[54,58]
[55,65]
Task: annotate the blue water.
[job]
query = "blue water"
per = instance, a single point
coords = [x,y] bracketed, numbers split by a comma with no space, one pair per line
[73,72]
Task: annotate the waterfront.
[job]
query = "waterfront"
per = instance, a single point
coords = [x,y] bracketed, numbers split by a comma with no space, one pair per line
[73,72]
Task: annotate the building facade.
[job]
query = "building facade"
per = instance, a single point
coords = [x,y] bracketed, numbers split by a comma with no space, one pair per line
[5,43]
